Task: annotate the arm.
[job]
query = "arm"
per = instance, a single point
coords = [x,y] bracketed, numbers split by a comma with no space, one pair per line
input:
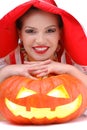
[78,74]
[41,69]
[28,69]
[19,69]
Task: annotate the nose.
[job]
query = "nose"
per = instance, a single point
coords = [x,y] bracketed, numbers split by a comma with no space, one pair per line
[40,38]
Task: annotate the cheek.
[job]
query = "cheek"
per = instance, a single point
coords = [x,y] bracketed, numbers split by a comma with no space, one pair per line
[24,37]
[54,39]
[26,42]
[54,45]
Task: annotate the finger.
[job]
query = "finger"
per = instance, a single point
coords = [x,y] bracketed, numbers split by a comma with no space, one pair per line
[30,63]
[37,68]
[32,77]
[42,74]
[29,76]
[36,72]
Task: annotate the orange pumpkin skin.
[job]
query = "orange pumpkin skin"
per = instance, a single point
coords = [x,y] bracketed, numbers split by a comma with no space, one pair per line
[55,99]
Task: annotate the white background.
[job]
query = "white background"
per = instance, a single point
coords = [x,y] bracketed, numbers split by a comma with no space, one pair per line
[78,8]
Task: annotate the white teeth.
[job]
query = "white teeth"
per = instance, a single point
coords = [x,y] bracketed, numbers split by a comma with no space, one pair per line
[40,49]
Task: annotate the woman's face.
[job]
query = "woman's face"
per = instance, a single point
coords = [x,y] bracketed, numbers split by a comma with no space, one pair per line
[40,35]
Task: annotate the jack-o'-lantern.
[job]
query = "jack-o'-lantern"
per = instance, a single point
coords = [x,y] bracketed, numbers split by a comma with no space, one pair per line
[54,99]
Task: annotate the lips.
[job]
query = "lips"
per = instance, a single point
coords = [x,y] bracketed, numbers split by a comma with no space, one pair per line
[40,49]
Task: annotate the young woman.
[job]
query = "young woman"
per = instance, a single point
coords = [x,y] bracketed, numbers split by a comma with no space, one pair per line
[47,44]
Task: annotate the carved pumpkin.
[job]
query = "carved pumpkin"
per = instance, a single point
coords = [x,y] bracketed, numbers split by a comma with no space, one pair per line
[54,99]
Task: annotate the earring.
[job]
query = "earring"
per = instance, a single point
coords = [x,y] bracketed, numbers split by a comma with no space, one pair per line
[19,41]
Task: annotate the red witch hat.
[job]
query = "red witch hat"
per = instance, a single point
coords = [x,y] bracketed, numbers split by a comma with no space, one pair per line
[75,40]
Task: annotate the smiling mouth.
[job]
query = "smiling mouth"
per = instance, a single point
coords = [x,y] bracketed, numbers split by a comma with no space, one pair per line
[41,49]
[59,112]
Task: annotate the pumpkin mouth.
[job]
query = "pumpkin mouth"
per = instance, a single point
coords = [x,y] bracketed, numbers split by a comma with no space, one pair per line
[61,111]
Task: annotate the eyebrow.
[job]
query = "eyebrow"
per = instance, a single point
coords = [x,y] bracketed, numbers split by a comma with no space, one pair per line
[36,28]
[51,26]
[30,27]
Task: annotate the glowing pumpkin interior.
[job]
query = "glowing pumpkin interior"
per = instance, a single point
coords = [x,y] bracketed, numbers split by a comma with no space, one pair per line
[55,99]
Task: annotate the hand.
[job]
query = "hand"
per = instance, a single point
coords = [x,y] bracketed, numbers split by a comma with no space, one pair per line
[12,70]
[38,67]
[28,69]
[43,68]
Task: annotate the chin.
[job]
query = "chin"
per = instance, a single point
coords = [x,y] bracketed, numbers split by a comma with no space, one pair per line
[41,59]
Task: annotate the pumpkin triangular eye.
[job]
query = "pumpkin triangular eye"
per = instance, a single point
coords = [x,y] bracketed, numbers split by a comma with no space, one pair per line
[59,92]
[24,92]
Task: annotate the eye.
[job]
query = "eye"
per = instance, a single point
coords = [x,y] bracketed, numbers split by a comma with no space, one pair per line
[24,92]
[31,31]
[51,30]
[59,92]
